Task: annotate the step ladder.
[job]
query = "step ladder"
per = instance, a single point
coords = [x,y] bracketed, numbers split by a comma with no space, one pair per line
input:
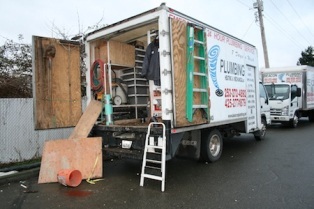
[154,158]
[196,53]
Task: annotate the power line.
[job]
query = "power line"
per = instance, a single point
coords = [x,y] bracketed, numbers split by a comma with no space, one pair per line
[248,29]
[300,18]
[244,4]
[289,22]
[283,31]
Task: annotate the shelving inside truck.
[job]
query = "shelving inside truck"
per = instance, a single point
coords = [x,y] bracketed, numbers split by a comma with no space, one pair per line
[122,55]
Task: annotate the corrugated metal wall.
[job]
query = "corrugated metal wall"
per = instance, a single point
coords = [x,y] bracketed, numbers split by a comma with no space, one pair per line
[19,141]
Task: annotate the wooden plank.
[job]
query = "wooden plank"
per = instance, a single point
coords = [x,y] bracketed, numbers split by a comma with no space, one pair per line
[88,119]
[179,58]
[101,51]
[121,54]
[56,82]
[83,154]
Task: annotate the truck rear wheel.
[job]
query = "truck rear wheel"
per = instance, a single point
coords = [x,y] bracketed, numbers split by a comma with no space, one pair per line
[311,116]
[212,144]
[260,135]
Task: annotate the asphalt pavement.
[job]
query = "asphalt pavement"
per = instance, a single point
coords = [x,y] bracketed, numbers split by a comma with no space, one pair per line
[275,173]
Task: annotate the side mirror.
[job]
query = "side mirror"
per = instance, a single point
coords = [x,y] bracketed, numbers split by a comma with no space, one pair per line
[298,94]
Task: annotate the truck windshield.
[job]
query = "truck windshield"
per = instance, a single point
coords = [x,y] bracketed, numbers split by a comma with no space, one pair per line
[278,91]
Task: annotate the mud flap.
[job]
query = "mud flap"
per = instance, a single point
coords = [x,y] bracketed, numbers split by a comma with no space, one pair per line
[190,145]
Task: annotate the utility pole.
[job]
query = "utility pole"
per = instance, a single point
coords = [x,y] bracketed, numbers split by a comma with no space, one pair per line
[259,6]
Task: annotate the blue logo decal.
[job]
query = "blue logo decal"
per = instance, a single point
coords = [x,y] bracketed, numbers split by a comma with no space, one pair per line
[281,77]
[213,54]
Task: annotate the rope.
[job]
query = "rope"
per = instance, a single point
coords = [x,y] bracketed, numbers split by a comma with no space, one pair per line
[95,180]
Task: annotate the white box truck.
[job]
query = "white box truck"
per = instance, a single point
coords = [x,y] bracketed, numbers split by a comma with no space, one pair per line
[163,66]
[291,93]
[205,88]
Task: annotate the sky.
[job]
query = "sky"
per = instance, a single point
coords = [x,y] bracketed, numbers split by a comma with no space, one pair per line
[289,24]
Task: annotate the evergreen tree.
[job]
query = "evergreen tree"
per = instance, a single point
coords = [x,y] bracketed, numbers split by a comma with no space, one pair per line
[307,57]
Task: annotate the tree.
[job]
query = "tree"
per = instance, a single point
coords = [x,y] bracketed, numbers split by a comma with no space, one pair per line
[307,57]
[16,64]
[15,69]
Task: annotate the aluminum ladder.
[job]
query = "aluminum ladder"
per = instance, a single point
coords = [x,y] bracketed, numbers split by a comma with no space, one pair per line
[154,157]
[196,55]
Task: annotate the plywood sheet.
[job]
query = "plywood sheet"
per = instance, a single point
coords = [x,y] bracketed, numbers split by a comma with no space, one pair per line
[179,58]
[101,51]
[88,119]
[120,54]
[56,83]
[80,154]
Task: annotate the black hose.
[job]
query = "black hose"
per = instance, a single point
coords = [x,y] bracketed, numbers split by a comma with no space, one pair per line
[20,167]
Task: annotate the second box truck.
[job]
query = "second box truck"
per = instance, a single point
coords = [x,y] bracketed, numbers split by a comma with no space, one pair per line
[291,93]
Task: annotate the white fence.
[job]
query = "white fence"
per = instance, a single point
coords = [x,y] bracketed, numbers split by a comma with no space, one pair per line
[19,141]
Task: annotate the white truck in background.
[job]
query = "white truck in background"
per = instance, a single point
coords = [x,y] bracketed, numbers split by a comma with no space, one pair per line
[291,93]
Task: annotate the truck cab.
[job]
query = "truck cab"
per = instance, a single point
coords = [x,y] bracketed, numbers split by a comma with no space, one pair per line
[265,111]
[283,100]
[265,106]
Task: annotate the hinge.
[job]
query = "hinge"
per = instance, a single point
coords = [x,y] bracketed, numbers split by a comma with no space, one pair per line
[165,72]
[168,111]
[163,33]
[165,53]
[167,91]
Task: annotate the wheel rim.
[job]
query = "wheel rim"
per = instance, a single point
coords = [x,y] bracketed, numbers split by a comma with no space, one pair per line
[263,129]
[214,145]
[295,121]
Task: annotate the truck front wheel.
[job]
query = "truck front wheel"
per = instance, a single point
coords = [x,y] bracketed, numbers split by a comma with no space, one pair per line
[260,135]
[294,121]
[212,144]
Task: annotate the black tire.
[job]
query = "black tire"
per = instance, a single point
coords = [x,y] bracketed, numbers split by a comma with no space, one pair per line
[293,123]
[260,135]
[212,144]
[311,116]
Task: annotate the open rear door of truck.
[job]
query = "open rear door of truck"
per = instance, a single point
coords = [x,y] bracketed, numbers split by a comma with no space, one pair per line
[56,83]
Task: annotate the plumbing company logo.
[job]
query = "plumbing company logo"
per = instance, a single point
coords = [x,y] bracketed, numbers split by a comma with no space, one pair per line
[281,77]
[213,54]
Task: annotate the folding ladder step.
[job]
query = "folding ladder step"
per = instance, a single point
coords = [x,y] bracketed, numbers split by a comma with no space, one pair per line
[159,178]
[153,161]
[154,146]
[154,152]
[152,138]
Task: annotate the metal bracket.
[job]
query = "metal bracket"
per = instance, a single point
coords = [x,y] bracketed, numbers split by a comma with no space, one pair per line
[165,72]
[168,111]
[163,33]
[165,53]
[167,91]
